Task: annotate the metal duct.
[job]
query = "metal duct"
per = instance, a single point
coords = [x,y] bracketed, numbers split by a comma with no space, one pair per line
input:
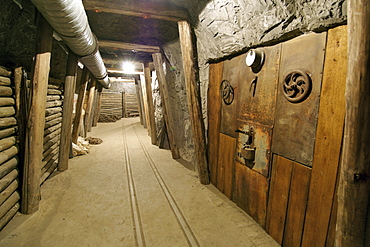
[69,20]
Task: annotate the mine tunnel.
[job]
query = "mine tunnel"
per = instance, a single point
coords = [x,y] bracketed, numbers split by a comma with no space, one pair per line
[184,123]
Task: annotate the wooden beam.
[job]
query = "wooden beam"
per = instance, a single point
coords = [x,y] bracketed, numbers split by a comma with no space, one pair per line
[163,87]
[354,186]
[79,105]
[193,101]
[129,46]
[69,92]
[36,119]
[149,95]
[145,10]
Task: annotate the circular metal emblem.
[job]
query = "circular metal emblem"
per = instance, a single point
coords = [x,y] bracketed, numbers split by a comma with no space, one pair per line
[297,86]
[227,92]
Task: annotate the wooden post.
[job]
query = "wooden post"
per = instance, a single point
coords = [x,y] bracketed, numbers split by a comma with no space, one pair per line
[139,102]
[149,95]
[98,105]
[90,102]
[80,104]
[354,185]
[193,101]
[69,91]
[158,63]
[145,102]
[36,120]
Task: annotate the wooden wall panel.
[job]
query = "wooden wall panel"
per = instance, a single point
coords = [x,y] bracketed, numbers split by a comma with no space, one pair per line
[287,201]
[328,139]
[250,192]
[278,198]
[297,204]
[226,164]
[214,117]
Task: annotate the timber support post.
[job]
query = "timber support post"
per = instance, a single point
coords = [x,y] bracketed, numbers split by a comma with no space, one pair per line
[66,132]
[354,186]
[195,112]
[36,119]
[80,103]
[158,63]
[149,95]
[90,102]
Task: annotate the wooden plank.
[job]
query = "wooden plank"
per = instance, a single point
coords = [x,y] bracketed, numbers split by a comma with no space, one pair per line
[8,179]
[54,103]
[140,9]
[8,132]
[129,46]
[300,184]
[7,122]
[5,91]
[214,118]
[8,154]
[149,95]
[8,204]
[5,71]
[52,117]
[226,164]
[8,191]
[278,198]
[98,104]
[79,104]
[5,81]
[7,143]
[9,215]
[353,192]
[196,117]
[51,111]
[139,97]
[8,166]
[328,141]
[7,111]
[250,192]
[31,175]
[158,62]
[6,101]
[53,122]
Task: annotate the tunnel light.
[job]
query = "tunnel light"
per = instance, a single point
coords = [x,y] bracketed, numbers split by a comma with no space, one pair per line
[128,67]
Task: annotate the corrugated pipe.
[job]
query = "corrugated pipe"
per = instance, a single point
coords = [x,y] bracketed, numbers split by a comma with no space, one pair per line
[69,20]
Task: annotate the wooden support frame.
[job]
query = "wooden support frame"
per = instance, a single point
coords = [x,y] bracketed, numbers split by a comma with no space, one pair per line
[354,186]
[149,95]
[66,132]
[36,119]
[79,105]
[193,101]
[158,63]
[145,102]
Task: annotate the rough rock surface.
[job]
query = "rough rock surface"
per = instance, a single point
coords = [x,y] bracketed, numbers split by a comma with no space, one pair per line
[176,84]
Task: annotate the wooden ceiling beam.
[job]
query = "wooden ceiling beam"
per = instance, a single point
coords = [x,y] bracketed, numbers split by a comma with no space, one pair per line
[135,8]
[129,46]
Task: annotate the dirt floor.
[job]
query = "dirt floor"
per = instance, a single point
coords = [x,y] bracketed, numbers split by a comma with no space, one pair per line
[127,192]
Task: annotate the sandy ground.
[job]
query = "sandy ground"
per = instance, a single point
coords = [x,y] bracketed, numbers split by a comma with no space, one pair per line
[127,192]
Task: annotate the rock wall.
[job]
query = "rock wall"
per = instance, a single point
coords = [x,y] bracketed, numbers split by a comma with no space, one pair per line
[176,84]
[18,38]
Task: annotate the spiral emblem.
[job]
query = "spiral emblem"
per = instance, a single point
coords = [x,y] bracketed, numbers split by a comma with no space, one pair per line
[227,92]
[297,86]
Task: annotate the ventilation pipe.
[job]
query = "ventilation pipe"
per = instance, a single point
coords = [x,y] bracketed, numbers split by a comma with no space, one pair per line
[69,20]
